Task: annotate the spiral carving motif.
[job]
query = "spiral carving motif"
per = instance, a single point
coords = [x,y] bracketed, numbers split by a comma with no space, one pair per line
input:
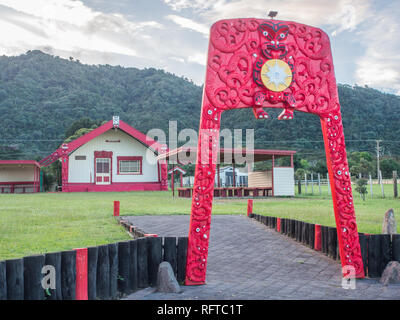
[234,50]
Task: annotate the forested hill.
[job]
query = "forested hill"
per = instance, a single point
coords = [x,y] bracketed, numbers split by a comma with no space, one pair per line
[42,95]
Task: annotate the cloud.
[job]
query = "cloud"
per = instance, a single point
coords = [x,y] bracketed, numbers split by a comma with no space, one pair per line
[199,58]
[340,15]
[189,24]
[179,5]
[379,66]
[64,26]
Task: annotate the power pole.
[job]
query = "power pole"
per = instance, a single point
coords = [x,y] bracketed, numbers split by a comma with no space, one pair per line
[378,151]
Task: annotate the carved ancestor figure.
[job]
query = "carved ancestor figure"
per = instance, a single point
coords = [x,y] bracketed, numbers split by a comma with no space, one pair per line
[273,71]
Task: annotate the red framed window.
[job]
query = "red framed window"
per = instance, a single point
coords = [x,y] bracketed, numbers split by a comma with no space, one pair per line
[129,165]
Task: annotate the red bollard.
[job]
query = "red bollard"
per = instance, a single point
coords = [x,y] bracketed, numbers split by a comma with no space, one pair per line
[249,207]
[278,224]
[81,289]
[317,239]
[116,208]
[151,235]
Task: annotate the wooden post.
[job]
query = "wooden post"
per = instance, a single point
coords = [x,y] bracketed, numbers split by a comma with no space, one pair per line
[395,194]
[249,207]
[68,274]
[329,185]
[103,273]
[234,175]
[181,259]
[116,208]
[272,175]
[113,255]
[124,262]
[299,186]
[312,184]
[81,289]
[33,289]
[3,281]
[218,178]
[170,253]
[305,183]
[370,185]
[380,179]
[317,239]
[319,184]
[172,180]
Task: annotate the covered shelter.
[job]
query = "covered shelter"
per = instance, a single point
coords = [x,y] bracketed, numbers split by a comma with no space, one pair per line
[276,181]
[19,176]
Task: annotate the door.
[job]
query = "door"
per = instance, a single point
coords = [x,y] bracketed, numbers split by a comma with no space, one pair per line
[103,170]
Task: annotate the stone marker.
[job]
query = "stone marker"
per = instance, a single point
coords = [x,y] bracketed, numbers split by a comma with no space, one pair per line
[391,274]
[166,281]
[389,223]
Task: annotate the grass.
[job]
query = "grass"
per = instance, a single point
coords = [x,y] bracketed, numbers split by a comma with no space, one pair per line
[46,222]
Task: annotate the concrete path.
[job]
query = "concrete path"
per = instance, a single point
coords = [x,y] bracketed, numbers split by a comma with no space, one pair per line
[248,260]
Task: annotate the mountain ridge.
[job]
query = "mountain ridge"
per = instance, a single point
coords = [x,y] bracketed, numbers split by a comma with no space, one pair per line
[42,95]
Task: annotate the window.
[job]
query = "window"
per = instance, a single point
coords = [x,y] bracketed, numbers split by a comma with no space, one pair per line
[102,165]
[129,165]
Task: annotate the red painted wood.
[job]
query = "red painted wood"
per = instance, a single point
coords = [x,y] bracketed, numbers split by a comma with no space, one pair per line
[35,163]
[116,208]
[102,154]
[81,291]
[115,187]
[130,158]
[278,224]
[237,50]
[249,207]
[317,238]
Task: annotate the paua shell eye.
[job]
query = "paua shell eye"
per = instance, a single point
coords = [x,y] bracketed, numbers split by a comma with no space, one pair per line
[265,33]
[282,35]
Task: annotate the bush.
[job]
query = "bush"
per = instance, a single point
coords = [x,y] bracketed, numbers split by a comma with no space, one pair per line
[361,187]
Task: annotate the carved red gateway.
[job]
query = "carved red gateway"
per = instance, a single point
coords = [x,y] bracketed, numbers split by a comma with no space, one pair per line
[258,63]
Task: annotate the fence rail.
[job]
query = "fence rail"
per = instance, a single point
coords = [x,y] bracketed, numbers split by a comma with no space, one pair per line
[112,270]
[376,249]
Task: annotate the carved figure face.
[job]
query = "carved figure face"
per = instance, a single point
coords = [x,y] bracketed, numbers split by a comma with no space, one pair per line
[273,36]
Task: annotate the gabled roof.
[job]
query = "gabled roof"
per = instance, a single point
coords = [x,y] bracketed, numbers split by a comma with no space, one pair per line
[67,148]
[176,169]
[141,137]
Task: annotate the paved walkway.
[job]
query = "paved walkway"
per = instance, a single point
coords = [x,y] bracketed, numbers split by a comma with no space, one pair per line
[248,260]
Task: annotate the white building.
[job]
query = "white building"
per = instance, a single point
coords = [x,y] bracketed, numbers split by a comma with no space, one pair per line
[112,157]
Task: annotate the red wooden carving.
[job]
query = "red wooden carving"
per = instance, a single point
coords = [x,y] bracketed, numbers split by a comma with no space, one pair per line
[298,75]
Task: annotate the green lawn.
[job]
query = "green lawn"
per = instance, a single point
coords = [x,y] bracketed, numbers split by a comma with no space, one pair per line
[45,222]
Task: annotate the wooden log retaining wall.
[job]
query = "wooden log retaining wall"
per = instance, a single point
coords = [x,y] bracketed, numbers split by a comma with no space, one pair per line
[113,270]
[376,249]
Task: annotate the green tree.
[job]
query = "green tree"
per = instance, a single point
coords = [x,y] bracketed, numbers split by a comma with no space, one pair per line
[361,187]
[387,167]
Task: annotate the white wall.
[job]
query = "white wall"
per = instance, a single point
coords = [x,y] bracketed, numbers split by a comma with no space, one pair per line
[16,173]
[283,181]
[82,171]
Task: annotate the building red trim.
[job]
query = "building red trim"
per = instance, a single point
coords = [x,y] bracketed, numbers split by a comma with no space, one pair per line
[102,154]
[115,187]
[141,137]
[34,183]
[177,168]
[127,158]
[35,163]
[67,148]
[12,186]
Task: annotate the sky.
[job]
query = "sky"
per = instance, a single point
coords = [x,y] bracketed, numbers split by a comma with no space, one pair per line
[173,34]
